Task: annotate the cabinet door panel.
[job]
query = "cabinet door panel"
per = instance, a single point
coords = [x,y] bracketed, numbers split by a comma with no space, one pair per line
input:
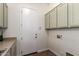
[53,18]
[8,53]
[62,15]
[47,21]
[5,16]
[13,50]
[1,15]
[73,14]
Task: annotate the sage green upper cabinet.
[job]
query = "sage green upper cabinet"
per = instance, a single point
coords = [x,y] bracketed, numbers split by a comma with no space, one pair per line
[47,20]
[1,15]
[62,15]
[53,18]
[73,10]
[5,13]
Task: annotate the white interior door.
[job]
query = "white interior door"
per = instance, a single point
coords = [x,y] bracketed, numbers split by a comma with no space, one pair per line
[29,29]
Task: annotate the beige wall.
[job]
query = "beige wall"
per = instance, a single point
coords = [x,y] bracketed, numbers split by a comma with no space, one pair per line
[51,6]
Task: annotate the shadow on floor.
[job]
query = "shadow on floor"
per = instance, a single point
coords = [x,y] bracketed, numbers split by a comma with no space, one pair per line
[44,53]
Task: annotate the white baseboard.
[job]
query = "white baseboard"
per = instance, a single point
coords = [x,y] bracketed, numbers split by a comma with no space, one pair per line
[42,50]
[54,52]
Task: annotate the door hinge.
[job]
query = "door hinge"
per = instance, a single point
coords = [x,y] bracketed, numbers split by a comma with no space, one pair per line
[21,38]
[21,52]
[21,11]
[21,25]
